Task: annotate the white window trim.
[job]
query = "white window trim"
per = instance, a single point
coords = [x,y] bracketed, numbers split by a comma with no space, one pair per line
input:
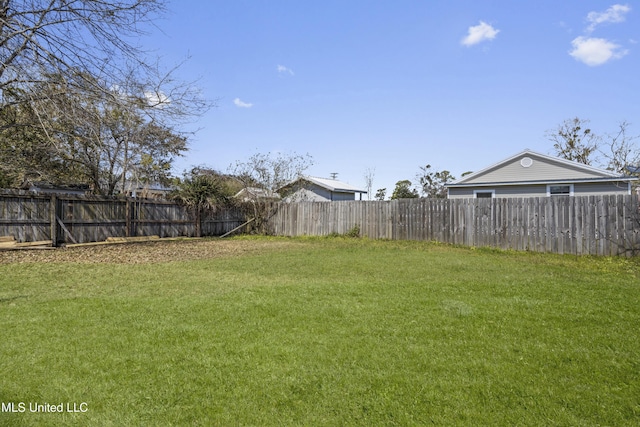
[475,193]
[558,185]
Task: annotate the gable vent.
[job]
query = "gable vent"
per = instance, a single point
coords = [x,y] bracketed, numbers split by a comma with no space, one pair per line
[526,162]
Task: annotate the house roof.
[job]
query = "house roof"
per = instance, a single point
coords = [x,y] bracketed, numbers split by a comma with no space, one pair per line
[517,170]
[44,186]
[149,186]
[257,193]
[633,169]
[330,184]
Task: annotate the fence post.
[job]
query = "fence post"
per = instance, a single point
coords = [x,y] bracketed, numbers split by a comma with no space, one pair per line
[53,224]
[198,221]
[127,213]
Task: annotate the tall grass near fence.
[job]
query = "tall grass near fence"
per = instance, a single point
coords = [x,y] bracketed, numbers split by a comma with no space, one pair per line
[326,331]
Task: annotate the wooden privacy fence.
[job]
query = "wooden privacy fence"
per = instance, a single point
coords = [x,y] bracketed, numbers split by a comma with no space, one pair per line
[595,225]
[79,219]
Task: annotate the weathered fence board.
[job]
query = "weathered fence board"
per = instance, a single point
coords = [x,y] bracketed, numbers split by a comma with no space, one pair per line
[26,218]
[63,219]
[595,225]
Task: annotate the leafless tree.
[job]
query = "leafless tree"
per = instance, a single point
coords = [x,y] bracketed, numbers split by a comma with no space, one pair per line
[271,171]
[93,39]
[620,151]
[573,140]
[44,37]
[75,63]
[86,138]
[268,173]
[617,151]
[369,175]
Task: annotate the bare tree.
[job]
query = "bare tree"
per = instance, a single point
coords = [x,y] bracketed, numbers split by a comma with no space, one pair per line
[271,171]
[617,151]
[621,152]
[573,140]
[85,137]
[369,175]
[74,63]
[44,37]
[264,175]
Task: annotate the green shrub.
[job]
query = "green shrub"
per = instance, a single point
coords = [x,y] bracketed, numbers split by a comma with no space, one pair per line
[353,232]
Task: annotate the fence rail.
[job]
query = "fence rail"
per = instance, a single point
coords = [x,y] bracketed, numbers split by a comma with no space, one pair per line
[64,219]
[594,225]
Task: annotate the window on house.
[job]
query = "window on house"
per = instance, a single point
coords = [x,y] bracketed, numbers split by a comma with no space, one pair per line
[484,194]
[560,190]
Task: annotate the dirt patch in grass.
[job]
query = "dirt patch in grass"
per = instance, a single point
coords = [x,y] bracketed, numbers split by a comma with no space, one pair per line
[144,252]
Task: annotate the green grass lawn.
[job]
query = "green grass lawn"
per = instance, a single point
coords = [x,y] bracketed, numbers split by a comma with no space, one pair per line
[325,331]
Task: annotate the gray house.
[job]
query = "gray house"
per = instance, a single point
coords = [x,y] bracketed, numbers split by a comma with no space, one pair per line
[313,189]
[531,174]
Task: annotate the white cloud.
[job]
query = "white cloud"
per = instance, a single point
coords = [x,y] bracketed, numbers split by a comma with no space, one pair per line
[595,51]
[157,99]
[242,104]
[614,14]
[480,33]
[284,70]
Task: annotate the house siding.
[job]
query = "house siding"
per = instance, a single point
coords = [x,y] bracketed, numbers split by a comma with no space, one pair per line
[595,189]
[311,194]
[315,193]
[312,189]
[501,191]
[541,169]
[540,190]
[340,197]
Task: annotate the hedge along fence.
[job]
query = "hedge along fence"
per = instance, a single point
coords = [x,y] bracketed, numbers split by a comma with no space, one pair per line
[594,225]
[30,217]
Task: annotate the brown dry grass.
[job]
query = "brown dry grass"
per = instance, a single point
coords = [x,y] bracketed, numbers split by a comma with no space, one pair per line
[144,252]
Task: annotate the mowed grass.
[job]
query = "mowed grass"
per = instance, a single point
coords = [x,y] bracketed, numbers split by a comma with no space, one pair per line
[326,331]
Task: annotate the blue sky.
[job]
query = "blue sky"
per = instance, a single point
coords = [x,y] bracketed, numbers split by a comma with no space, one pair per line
[390,86]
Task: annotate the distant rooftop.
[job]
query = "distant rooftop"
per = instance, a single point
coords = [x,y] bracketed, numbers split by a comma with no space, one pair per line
[334,185]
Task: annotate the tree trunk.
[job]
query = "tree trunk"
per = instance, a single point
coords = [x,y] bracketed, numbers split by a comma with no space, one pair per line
[198,221]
